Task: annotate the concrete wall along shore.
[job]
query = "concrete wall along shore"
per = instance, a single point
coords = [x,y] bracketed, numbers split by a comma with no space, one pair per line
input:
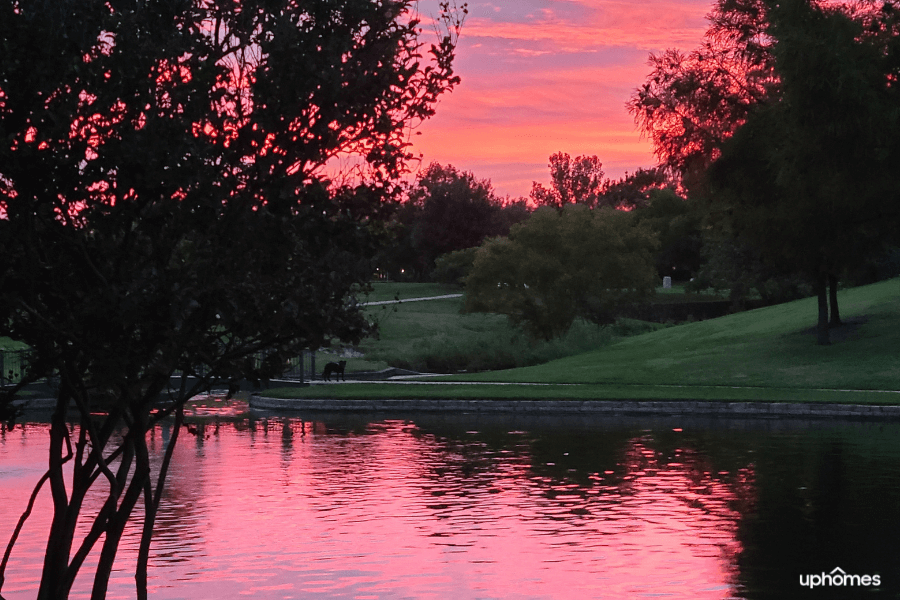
[613,407]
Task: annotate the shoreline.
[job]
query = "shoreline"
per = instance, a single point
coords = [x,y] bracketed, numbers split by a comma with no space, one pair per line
[585,407]
[598,407]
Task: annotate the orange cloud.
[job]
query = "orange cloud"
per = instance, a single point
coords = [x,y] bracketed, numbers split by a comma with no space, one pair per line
[542,76]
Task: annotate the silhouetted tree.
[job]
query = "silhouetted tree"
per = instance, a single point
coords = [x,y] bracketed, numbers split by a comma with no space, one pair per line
[580,181]
[166,209]
[572,181]
[456,212]
[634,190]
[691,103]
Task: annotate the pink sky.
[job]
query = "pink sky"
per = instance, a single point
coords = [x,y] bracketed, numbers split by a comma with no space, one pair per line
[545,76]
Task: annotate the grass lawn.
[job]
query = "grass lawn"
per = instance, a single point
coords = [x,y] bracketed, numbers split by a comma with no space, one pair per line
[764,354]
[9,344]
[767,347]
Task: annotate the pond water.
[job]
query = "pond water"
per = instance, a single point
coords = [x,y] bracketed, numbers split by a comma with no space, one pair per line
[464,506]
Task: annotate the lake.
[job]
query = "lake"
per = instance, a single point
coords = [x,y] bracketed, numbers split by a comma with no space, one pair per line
[370,506]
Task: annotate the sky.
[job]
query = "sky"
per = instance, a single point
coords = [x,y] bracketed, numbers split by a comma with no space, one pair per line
[546,76]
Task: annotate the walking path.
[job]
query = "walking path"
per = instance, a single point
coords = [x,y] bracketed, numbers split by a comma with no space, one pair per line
[410,300]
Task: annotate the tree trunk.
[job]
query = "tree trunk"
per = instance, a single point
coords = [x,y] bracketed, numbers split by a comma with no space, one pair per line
[59,545]
[822,326]
[151,506]
[832,290]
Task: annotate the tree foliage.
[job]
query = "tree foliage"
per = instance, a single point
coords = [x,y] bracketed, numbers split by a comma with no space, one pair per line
[561,265]
[572,181]
[692,102]
[447,210]
[580,181]
[810,179]
[457,211]
[635,190]
[165,209]
[788,109]
[677,223]
[455,266]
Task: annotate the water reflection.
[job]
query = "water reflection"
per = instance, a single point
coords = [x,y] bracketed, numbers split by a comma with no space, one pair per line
[501,507]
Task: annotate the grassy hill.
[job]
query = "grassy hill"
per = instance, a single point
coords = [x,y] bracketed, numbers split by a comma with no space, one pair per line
[770,347]
[764,354]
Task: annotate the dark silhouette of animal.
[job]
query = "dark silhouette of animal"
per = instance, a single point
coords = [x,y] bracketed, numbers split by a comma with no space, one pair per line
[337,368]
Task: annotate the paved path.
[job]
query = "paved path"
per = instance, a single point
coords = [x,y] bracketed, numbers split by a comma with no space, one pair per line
[411,300]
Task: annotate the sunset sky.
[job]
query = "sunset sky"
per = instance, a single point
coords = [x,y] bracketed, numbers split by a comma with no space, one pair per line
[545,76]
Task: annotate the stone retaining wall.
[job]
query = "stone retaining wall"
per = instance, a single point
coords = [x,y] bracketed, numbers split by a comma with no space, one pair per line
[760,409]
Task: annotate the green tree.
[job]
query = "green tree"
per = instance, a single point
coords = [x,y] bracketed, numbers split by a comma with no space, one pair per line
[736,266]
[810,178]
[455,266]
[678,224]
[166,209]
[561,265]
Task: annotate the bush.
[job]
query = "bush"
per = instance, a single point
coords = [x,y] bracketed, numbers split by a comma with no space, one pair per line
[560,265]
[455,350]
[454,267]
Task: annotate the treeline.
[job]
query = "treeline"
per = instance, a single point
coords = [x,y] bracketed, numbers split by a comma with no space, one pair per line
[445,210]
[446,214]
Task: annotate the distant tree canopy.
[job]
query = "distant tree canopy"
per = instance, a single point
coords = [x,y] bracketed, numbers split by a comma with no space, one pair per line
[572,181]
[457,211]
[165,209]
[677,223]
[635,190]
[447,210]
[580,181]
[561,265]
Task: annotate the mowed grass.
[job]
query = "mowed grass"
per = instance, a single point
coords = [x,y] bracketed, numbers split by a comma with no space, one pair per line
[770,347]
[764,354]
[10,344]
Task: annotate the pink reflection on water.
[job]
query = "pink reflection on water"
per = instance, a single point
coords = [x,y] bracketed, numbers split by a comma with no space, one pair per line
[214,405]
[287,509]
